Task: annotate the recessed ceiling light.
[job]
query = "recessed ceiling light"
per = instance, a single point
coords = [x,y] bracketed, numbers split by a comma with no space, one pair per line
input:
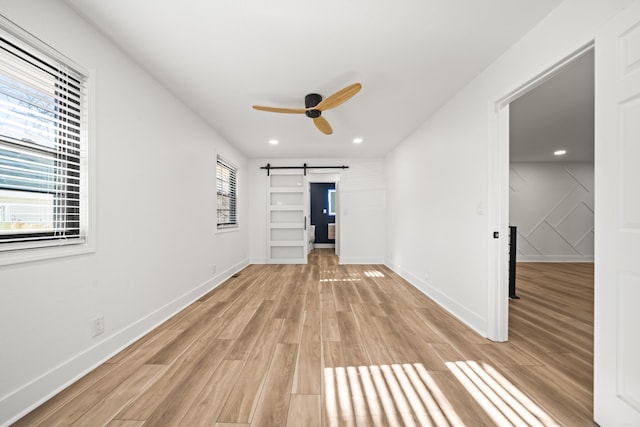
[273,141]
[357,140]
[560,152]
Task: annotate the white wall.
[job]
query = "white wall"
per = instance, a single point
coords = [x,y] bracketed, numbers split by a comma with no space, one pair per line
[438,226]
[361,207]
[156,223]
[552,206]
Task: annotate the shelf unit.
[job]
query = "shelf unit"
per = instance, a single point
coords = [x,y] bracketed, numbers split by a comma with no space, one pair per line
[287,217]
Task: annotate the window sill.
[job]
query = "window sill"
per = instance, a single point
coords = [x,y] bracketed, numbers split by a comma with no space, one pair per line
[227,230]
[20,256]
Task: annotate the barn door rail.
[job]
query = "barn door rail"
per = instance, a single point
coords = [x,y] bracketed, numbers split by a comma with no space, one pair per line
[268,167]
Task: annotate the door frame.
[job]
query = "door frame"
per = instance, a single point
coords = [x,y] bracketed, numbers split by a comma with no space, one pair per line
[498,212]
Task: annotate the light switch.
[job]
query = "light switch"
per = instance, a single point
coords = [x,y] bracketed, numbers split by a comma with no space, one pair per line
[324,211]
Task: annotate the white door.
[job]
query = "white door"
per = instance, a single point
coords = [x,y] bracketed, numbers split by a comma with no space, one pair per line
[617,222]
[287,218]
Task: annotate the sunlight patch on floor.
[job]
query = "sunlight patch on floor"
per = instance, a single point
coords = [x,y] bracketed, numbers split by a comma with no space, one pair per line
[406,394]
[500,399]
[373,273]
[396,395]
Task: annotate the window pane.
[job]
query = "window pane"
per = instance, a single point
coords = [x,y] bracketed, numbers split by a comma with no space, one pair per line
[27,186]
[21,170]
[24,211]
[26,114]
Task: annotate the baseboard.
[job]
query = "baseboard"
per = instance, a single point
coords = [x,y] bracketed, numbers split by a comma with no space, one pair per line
[468,317]
[257,260]
[20,402]
[541,258]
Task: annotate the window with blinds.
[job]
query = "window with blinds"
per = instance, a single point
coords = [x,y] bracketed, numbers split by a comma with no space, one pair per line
[42,145]
[226,176]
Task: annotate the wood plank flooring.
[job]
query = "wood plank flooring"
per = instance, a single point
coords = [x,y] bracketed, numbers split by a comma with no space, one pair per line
[330,345]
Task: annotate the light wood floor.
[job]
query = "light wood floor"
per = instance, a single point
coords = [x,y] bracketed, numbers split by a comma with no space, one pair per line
[330,345]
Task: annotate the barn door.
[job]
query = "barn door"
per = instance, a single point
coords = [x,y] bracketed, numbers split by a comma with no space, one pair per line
[287,218]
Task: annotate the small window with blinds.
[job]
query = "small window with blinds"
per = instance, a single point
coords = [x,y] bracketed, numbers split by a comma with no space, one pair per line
[42,145]
[227,203]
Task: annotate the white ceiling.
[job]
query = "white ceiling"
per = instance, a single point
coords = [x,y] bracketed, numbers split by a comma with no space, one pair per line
[220,57]
[557,115]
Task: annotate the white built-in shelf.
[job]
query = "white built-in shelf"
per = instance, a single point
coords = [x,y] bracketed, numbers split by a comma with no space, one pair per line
[286,207]
[286,190]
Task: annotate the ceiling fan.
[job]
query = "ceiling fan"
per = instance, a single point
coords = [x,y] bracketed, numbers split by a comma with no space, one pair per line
[315,105]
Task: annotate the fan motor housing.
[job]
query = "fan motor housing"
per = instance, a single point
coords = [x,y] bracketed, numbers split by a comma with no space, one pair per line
[313,113]
[312,100]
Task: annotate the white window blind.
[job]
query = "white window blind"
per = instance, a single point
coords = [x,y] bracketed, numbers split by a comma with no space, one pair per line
[226,177]
[42,145]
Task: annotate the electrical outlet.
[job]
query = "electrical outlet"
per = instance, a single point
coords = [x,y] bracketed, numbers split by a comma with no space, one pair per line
[214,269]
[97,326]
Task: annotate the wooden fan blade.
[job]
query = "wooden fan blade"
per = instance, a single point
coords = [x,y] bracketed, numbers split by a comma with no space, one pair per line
[280,110]
[339,97]
[322,124]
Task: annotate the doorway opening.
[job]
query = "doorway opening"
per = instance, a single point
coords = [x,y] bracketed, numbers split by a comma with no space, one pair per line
[498,319]
[324,212]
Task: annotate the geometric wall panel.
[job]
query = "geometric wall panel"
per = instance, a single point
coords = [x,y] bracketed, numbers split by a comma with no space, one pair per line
[552,206]
[565,208]
[526,249]
[575,225]
[583,176]
[586,245]
[549,242]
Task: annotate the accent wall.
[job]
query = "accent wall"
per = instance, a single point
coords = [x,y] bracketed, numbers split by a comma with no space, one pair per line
[553,207]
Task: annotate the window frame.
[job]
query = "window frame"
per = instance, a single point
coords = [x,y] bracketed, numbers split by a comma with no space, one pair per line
[17,252]
[232,194]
